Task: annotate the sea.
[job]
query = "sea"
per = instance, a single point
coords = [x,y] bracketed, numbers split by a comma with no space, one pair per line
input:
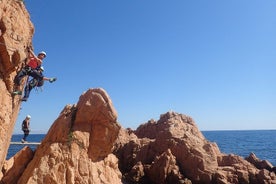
[14,148]
[242,142]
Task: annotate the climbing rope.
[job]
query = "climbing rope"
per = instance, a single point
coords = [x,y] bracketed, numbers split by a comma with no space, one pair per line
[38,89]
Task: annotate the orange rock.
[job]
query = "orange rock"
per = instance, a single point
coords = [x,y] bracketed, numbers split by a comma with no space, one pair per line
[14,167]
[15,35]
[78,146]
[173,150]
[81,145]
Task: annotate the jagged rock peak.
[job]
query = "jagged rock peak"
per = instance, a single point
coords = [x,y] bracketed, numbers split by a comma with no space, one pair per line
[78,146]
[172,123]
[172,150]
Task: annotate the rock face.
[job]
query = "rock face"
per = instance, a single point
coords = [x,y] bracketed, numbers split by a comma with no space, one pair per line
[16,31]
[173,150]
[78,146]
[15,166]
[260,164]
[87,145]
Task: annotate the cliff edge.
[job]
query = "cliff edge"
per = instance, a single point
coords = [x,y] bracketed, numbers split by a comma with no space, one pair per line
[16,32]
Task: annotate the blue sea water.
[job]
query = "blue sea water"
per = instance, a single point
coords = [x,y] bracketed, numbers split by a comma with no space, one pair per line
[14,148]
[242,143]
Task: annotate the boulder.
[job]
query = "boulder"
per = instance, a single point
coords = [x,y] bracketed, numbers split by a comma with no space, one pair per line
[173,150]
[260,164]
[14,167]
[165,170]
[78,146]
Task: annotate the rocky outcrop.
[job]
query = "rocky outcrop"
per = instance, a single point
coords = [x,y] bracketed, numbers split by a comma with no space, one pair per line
[260,164]
[16,31]
[78,146]
[173,150]
[15,166]
[78,149]
[87,145]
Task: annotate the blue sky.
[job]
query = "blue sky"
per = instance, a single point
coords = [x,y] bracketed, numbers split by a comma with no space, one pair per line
[212,60]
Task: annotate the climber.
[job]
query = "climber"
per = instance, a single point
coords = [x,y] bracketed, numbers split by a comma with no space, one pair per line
[25,128]
[33,63]
[36,82]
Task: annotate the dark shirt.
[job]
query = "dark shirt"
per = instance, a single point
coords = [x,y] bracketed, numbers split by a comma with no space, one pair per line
[25,125]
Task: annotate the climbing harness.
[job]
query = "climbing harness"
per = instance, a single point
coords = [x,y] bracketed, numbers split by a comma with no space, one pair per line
[36,84]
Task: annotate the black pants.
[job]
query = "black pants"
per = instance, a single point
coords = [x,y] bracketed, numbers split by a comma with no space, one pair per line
[26,133]
[31,84]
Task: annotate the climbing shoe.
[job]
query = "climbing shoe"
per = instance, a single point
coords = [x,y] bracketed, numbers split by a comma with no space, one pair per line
[24,99]
[52,79]
[17,93]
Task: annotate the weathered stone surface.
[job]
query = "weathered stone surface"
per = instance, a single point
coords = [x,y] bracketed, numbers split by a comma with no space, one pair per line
[14,167]
[165,170]
[96,107]
[16,31]
[78,146]
[81,145]
[173,150]
[260,164]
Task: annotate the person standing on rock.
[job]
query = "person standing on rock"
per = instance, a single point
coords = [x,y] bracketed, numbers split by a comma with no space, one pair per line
[26,127]
[33,63]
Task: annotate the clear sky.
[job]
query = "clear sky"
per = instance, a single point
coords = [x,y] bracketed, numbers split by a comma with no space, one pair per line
[213,60]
